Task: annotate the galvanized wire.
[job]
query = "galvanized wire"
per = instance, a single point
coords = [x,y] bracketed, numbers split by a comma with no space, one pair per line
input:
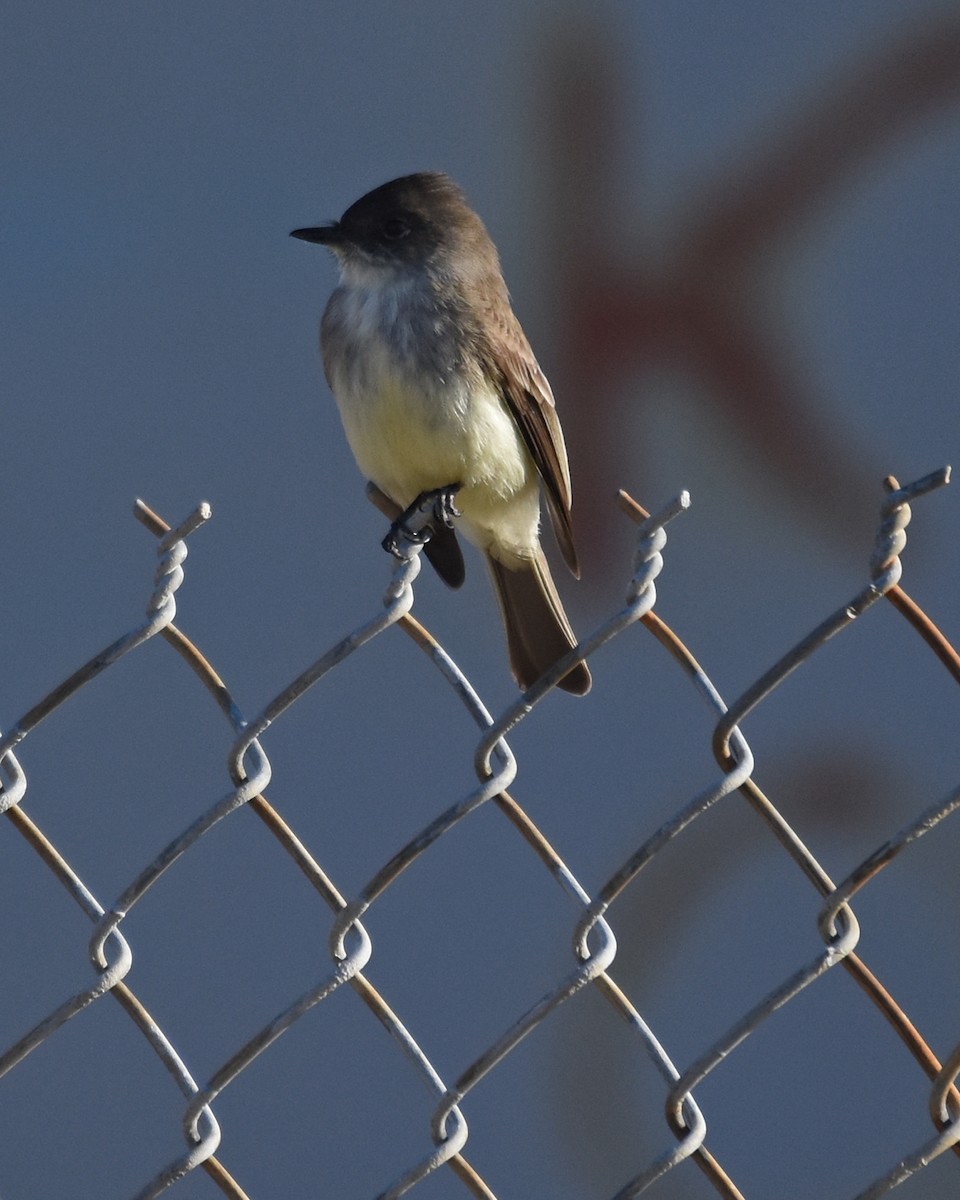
[593,940]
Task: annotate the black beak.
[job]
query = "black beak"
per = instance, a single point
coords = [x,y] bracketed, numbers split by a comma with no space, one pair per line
[326,235]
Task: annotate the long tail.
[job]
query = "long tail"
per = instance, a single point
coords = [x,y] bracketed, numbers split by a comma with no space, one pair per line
[538,631]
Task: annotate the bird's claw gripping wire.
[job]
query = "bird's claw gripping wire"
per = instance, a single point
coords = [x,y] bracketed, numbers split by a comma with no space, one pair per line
[416,523]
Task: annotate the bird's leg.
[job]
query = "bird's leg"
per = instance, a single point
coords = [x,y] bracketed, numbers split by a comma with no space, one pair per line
[409,525]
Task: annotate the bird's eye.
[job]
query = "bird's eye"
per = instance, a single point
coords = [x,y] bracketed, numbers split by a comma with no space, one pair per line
[395,228]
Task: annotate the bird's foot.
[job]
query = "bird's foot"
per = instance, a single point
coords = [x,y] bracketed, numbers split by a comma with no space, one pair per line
[445,509]
[410,525]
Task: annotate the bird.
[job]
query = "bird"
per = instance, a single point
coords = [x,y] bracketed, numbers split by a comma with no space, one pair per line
[440,395]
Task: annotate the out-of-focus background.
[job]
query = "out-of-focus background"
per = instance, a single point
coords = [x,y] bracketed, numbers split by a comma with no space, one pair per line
[731,234]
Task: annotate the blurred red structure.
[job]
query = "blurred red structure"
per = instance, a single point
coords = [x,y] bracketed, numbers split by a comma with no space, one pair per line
[698,312]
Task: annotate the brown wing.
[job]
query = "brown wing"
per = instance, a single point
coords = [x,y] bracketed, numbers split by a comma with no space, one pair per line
[527,392]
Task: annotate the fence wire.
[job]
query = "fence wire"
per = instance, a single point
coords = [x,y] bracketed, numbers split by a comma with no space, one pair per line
[593,938]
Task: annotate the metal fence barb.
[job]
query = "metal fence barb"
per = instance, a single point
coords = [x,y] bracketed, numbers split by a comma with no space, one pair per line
[885,571]
[594,941]
[161,609]
[641,597]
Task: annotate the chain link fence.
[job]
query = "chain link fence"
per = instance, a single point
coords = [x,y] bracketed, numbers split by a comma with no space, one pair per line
[447,1145]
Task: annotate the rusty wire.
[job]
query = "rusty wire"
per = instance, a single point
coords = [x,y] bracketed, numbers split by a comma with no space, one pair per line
[593,939]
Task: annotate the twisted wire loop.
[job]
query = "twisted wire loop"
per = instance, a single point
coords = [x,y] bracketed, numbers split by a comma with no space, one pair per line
[948,1137]
[885,568]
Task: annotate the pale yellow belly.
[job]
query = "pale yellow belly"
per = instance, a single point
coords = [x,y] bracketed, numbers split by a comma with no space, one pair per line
[410,440]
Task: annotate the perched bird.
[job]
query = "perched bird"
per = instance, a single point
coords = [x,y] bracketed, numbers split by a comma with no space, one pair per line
[439,392]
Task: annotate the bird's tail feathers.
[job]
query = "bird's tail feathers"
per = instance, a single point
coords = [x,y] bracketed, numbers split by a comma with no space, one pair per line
[538,632]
